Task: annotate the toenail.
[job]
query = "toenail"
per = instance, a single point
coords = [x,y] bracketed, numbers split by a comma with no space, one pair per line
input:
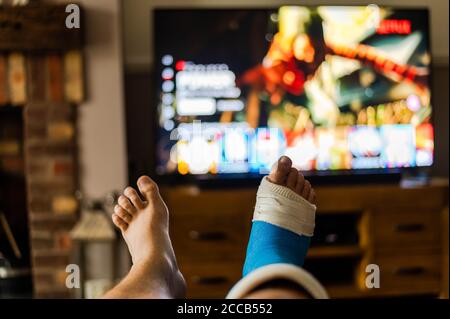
[148,186]
[285,160]
[143,181]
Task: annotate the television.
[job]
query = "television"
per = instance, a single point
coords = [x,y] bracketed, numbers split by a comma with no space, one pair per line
[338,89]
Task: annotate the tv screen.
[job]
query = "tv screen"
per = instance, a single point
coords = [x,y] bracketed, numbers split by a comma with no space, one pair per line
[337,89]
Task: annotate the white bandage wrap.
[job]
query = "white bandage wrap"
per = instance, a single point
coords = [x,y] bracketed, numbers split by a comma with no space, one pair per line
[280,206]
[278,271]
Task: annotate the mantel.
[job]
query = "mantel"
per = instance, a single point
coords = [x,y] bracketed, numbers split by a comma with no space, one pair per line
[37,28]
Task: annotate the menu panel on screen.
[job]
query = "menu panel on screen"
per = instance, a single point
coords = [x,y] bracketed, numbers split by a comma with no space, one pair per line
[334,88]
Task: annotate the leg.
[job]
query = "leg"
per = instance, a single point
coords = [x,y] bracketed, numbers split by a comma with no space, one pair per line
[283,224]
[144,224]
[278,289]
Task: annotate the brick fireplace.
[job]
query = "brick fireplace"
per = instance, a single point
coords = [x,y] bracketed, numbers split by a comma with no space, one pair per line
[45,79]
[51,175]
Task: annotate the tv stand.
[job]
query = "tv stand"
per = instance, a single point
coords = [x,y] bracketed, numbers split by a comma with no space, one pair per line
[404,230]
[355,179]
[326,180]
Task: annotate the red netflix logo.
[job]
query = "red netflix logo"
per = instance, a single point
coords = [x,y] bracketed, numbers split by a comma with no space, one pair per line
[394,27]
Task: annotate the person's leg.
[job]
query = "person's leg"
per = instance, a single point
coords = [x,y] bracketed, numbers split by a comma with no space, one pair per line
[284,217]
[278,289]
[144,224]
[283,223]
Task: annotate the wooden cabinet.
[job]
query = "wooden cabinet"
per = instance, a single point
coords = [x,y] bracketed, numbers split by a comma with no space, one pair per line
[404,274]
[397,228]
[410,228]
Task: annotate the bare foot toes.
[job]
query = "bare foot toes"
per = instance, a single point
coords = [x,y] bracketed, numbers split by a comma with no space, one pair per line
[291,181]
[119,222]
[280,171]
[285,175]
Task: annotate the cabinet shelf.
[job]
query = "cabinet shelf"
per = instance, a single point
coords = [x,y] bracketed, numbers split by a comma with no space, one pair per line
[11,109]
[334,251]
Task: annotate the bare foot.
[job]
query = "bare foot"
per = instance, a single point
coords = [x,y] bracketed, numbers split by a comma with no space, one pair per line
[144,224]
[285,175]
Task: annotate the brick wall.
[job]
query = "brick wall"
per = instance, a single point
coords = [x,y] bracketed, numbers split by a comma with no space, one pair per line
[41,70]
[51,175]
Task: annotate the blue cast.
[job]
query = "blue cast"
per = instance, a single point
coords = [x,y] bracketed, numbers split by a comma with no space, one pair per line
[270,244]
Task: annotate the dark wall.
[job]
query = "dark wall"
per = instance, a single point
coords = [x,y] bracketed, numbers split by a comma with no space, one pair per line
[138,104]
[441,106]
[138,93]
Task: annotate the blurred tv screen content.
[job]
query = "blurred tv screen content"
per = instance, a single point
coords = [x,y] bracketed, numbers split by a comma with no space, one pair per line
[334,88]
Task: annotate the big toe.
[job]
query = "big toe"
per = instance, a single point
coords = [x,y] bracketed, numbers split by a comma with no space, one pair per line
[147,187]
[280,171]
